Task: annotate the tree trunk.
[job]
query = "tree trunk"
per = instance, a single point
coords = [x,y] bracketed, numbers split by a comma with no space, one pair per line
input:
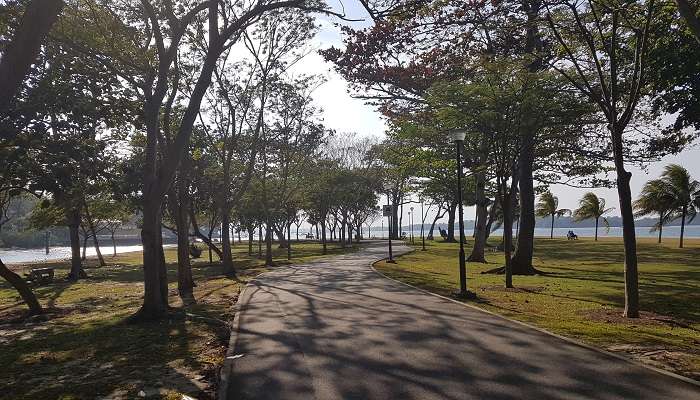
[289,241]
[551,228]
[323,236]
[114,246]
[185,282]
[268,245]
[205,238]
[508,238]
[522,259]
[76,268]
[478,251]
[21,52]
[596,228]
[155,301]
[683,214]
[451,209]
[341,235]
[260,240]
[22,288]
[438,215]
[661,225]
[83,257]
[227,257]
[491,218]
[91,225]
[158,178]
[250,241]
[628,232]
[282,237]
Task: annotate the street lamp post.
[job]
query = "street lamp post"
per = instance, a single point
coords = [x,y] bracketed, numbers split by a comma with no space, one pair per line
[389,214]
[412,214]
[457,136]
[422,224]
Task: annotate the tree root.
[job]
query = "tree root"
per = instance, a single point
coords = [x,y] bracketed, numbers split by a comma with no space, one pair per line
[208,320]
[502,270]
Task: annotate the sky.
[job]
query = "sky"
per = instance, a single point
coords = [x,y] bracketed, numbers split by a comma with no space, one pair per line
[344,114]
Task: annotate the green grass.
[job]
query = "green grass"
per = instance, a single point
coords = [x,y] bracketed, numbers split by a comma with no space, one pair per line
[581,295]
[86,350]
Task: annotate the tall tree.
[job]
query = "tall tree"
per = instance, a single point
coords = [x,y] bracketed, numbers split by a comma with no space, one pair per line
[655,199]
[152,68]
[603,47]
[592,207]
[548,206]
[685,192]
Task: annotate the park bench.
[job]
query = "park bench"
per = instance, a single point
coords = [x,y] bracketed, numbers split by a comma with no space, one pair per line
[41,276]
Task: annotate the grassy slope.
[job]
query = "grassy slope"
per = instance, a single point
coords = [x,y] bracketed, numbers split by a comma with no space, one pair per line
[582,294]
[86,350]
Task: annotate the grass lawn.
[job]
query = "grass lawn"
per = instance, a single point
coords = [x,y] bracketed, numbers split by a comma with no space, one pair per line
[581,295]
[86,350]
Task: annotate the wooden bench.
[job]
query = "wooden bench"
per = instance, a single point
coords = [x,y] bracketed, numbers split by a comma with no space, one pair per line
[41,276]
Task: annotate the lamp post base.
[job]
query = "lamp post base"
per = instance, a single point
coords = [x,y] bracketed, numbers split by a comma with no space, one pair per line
[468,295]
[391,261]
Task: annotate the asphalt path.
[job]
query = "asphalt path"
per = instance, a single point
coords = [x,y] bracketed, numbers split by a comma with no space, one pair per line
[335,329]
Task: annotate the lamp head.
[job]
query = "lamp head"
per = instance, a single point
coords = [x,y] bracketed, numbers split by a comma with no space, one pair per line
[457,135]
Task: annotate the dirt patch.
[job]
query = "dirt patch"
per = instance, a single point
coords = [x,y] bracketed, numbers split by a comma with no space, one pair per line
[614,316]
[679,362]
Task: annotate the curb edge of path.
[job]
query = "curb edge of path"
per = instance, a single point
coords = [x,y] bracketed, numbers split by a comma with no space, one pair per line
[564,338]
[227,367]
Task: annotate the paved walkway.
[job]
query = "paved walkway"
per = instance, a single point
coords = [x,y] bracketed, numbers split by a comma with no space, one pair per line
[337,330]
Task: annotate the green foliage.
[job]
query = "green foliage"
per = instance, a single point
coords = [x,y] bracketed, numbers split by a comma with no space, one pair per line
[674,72]
[548,205]
[674,195]
[591,207]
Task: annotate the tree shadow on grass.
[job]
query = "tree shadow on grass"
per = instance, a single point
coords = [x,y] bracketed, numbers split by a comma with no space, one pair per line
[97,360]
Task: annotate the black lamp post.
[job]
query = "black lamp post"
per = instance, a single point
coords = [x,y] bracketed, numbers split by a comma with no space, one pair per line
[422,223]
[410,217]
[388,216]
[457,136]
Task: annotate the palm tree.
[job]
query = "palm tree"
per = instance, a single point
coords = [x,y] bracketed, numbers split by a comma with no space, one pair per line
[592,207]
[655,199]
[685,192]
[547,207]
